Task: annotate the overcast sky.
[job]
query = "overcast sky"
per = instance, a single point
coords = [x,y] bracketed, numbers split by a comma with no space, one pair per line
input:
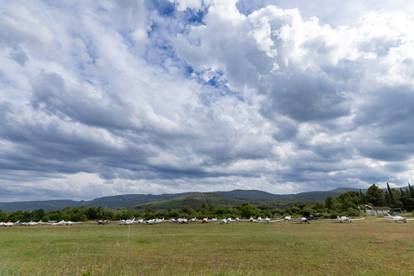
[101,98]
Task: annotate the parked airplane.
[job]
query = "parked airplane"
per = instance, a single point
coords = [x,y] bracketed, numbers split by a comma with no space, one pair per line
[63,222]
[345,219]
[226,220]
[397,218]
[182,220]
[259,219]
[6,224]
[127,221]
[153,221]
[30,223]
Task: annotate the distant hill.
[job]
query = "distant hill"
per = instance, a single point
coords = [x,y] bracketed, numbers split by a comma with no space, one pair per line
[179,200]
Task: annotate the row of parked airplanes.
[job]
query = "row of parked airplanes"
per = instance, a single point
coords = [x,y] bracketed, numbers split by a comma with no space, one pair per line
[35,223]
[339,219]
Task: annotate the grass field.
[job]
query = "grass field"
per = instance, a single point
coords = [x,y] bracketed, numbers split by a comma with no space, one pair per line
[369,247]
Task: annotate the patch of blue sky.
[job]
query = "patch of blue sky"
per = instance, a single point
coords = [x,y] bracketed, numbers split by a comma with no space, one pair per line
[216,85]
[159,50]
[195,17]
[161,53]
[164,7]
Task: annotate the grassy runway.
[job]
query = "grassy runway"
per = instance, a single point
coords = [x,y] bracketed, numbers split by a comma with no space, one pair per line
[369,247]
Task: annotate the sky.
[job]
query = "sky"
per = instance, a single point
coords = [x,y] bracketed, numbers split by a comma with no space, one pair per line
[112,97]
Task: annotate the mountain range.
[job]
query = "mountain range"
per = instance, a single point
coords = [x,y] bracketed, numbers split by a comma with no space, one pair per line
[179,200]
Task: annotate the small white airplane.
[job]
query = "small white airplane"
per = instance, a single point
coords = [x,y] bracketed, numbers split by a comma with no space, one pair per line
[397,218]
[63,222]
[6,224]
[182,220]
[127,221]
[226,221]
[345,219]
[154,221]
[259,219]
[288,218]
[30,223]
[72,222]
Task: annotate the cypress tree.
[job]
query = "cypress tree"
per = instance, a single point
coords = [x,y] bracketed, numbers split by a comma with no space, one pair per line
[411,189]
[387,198]
[390,195]
[361,196]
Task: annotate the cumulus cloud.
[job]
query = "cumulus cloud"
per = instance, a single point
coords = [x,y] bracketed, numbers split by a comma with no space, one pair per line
[166,96]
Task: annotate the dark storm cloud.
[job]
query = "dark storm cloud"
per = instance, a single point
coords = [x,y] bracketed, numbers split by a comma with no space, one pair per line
[386,116]
[307,97]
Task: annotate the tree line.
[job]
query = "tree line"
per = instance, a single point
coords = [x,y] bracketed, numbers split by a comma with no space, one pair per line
[347,203]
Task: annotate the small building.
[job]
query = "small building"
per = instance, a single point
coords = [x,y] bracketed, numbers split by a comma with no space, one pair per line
[375,211]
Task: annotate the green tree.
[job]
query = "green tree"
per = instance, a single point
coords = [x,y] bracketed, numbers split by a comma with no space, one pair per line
[390,196]
[248,210]
[362,197]
[37,214]
[329,203]
[411,189]
[92,213]
[375,195]
[3,216]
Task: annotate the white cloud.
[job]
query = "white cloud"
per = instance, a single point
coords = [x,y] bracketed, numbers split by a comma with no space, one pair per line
[126,97]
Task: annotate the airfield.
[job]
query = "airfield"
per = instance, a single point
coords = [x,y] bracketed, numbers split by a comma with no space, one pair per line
[369,247]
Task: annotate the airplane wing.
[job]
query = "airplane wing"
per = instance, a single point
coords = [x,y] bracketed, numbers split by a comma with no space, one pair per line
[410,219]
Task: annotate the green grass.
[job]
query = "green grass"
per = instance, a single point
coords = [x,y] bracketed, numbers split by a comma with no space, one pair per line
[368,247]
